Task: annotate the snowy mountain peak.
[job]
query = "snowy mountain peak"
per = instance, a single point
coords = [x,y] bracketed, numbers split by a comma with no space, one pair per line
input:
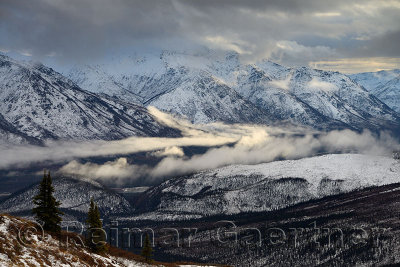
[42,104]
[301,96]
[385,85]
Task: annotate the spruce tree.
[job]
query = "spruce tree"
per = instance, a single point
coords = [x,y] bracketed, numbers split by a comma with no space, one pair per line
[147,250]
[46,206]
[96,239]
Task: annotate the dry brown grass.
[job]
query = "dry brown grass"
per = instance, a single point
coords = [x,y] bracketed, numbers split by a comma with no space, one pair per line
[75,248]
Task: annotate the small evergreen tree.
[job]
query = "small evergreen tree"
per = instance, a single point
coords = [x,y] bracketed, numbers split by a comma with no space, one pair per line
[96,239]
[46,206]
[147,250]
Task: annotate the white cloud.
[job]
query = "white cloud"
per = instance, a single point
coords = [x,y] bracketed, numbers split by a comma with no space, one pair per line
[112,169]
[248,144]
[317,84]
[327,14]
[169,151]
[255,148]
[283,84]
[25,53]
[214,134]
[4,50]
[356,65]
[224,43]
[295,54]
[269,149]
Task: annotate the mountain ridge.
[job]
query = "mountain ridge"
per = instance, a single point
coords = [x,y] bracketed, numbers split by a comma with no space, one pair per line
[262,187]
[74,194]
[42,104]
[300,96]
[385,85]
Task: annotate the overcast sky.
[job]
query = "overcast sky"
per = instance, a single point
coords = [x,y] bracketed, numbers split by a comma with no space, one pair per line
[342,35]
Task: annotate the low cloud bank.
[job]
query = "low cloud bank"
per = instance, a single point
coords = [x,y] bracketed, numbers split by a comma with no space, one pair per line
[208,135]
[169,151]
[318,85]
[111,169]
[256,150]
[251,149]
[229,144]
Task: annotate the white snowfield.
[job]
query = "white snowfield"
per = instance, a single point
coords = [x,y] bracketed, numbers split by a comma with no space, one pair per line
[355,170]
[269,186]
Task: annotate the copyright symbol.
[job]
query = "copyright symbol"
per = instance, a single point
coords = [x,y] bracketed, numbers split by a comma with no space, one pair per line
[29,234]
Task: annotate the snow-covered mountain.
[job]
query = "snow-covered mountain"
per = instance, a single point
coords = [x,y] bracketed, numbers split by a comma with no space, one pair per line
[385,85]
[389,93]
[172,82]
[94,79]
[11,135]
[263,187]
[208,86]
[37,103]
[314,98]
[206,99]
[74,195]
[373,80]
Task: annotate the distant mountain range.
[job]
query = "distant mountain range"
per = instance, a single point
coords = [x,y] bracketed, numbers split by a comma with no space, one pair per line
[109,101]
[385,85]
[207,87]
[38,103]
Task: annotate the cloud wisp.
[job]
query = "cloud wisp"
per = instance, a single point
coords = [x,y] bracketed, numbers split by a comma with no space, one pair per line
[252,149]
[228,144]
[210,135]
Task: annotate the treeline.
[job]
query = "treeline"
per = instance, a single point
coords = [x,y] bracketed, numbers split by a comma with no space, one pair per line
[47,212]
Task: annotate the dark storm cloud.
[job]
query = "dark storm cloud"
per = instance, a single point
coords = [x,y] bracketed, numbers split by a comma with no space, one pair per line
[387,43]
[82,28]
[290,6]
[293,32]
